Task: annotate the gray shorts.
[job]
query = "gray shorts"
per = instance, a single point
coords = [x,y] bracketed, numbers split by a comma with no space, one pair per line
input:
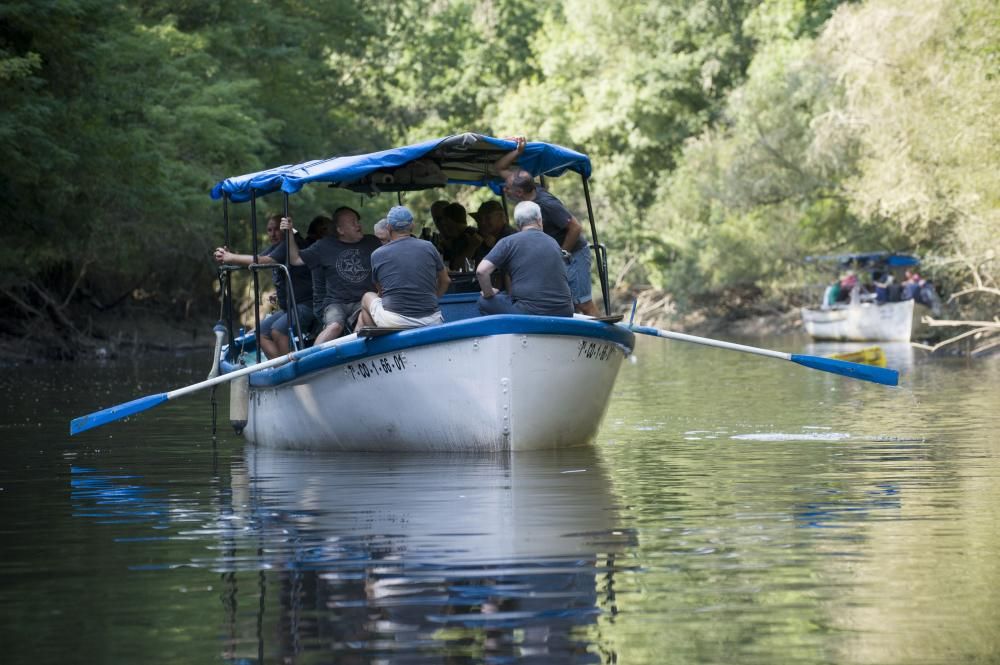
[346,314]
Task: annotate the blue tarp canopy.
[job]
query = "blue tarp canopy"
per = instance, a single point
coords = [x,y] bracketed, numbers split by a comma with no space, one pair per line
[460,159]
[869,260]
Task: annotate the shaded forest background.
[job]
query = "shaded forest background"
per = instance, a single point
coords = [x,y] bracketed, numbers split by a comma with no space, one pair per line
[730,139]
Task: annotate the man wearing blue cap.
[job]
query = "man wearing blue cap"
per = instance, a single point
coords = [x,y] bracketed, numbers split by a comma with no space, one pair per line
[409,276]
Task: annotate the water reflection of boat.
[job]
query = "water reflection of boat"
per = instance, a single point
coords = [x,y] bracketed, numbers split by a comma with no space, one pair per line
[898,355]
[479,555]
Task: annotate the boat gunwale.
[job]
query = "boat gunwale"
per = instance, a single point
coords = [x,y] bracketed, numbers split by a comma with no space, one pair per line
[485,326]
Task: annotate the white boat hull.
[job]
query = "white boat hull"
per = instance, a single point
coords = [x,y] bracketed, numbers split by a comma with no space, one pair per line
[888,322]
[485,393]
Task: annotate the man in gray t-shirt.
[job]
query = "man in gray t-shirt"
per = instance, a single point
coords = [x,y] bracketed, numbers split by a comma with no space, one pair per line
[535,269]
[558,222]
[410,276]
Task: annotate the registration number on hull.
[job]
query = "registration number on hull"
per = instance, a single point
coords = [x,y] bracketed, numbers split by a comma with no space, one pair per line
[366,369]
[595,350]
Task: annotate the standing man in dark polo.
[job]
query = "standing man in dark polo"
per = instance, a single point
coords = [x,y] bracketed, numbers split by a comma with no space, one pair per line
[534,264]
[558,222]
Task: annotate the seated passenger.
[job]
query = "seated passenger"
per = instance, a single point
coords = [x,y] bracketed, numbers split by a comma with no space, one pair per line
[491,220]
[437,216]
[345,261]
[848,287]
[882,281]
[536,266]
[320,227]
[276,328]
[459,241]
[911,284]
[409,277]
[381,230]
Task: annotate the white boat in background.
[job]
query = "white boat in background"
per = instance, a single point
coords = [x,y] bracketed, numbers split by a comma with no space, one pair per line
[882,313]
[859,322]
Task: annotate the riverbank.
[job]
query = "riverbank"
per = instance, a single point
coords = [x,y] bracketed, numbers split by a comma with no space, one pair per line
[124,333]
[131,332]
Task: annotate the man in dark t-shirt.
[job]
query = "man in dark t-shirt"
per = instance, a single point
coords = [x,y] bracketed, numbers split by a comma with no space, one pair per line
[558,222]
[345,262]
[410,277]
[491,220]
[533,262]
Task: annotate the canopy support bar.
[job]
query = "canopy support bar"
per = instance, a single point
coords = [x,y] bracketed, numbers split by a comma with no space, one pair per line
[599,256]
[256,259]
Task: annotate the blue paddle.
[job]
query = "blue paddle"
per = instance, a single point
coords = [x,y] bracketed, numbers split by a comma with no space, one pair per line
[111,414]
[885,376]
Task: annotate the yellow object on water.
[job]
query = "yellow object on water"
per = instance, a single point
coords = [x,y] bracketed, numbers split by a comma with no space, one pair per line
[873,355]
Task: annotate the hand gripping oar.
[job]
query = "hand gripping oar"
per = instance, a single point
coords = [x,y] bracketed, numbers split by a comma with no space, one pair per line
[111,414]
[888,377]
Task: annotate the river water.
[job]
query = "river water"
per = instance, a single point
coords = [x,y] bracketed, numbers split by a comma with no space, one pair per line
[734,509]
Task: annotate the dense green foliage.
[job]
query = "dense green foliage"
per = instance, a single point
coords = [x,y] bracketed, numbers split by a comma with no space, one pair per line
[730,138]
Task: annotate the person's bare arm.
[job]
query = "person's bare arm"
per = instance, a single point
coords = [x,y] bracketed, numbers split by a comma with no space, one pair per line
[293,247]
[573,231]
[483,273]
[444,281]
[502,165]
[223,255]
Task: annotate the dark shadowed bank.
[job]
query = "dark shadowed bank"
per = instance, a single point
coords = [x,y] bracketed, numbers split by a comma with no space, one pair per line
[124,333]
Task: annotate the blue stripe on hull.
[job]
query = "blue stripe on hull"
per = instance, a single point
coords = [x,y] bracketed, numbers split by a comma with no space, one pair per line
[447,332]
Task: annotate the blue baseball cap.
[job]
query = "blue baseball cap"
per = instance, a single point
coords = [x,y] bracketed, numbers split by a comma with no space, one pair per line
[400,218]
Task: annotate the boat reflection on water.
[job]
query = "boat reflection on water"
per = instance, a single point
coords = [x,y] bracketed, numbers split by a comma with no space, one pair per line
[423,558]
[898,355]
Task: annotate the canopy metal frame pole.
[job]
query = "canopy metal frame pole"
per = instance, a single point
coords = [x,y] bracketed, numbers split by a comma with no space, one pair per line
[227,294]
[289,290]
[600,256]
[256,282]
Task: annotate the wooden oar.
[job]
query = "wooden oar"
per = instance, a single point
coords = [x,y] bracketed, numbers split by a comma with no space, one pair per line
[111,414]
[888,377]
[873,355]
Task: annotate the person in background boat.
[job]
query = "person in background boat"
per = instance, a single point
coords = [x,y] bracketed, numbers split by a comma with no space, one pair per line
[535,266]
[381,231]
[274,337]
[921,290]
[345,261]
[558,222]
[491,220]
[912,281]
[458,241]
[849,289]
[882,280]
[409,275]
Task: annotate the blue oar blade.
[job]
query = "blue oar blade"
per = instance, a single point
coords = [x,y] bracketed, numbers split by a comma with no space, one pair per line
[111,414]
[883,375]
